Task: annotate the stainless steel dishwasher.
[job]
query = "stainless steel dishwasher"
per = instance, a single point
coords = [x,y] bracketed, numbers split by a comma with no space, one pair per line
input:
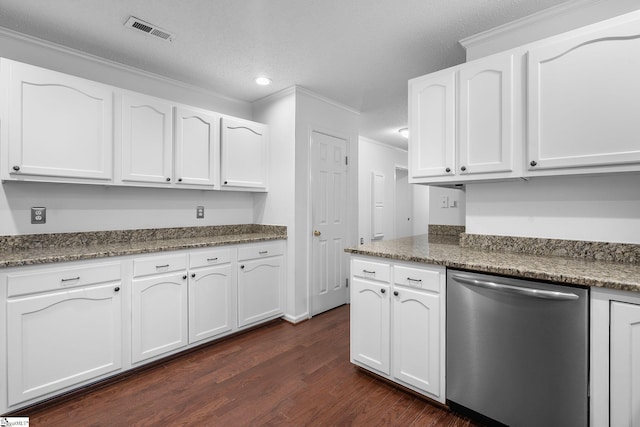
[517,350]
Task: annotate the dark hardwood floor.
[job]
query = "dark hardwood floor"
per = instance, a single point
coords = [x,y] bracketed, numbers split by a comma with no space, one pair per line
[278,375]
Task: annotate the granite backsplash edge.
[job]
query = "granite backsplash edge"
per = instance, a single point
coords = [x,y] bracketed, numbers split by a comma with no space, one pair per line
[90,238]
[600,251]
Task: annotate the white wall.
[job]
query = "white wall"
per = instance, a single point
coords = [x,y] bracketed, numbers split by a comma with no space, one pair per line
[451,215]
[595,208]
[72,207]
[278,205]
[292,115]
[376,157]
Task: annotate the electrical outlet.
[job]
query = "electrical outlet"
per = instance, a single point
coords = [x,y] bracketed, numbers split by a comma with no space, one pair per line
[444,202]
[199,212]
[38,215]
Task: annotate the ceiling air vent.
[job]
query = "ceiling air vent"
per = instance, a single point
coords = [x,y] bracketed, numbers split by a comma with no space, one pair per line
[150,29]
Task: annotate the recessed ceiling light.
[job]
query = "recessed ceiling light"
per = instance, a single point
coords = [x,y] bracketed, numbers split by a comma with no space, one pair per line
[263,81]
[404,132]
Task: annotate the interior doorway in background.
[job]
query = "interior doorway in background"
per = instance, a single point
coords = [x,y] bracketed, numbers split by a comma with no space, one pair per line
[403,210]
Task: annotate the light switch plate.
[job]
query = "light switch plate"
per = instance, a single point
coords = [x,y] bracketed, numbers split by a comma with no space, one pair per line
[39,215]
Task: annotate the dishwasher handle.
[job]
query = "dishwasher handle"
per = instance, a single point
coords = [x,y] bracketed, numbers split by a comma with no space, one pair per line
[516,290]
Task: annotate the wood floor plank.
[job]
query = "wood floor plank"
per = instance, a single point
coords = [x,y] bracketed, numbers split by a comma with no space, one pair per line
[278,375]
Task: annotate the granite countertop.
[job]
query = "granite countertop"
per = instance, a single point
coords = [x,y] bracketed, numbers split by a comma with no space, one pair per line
[23,250]
[447,251]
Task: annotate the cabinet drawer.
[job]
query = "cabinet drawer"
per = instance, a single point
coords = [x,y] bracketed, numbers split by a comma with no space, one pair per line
[260,250]
[370,270]
[210,257]
[424,278]
[159,264]
[63,277]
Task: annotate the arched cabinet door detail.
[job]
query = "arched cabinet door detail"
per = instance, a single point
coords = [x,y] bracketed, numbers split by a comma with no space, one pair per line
[584,100]
[59,127]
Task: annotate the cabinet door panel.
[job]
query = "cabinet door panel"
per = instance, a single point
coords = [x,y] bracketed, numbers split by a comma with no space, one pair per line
[583,100]
[61,339]
[147,139]
[416,339]
[210,302]
[244,154]
[197,147]
[159,315]
[486,116]
[260,290]
[59,125]
[370,331]
[625,364]
[432,125]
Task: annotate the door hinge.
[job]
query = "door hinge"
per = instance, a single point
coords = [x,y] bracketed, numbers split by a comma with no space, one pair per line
[346,160]
[346,281]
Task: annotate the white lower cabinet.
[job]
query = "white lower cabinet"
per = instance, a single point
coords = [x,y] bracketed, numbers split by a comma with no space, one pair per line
[72,324]
[211,294]
[625,364]
[615,362]
[159,317]
[397,322]
[65,334]
[260,283]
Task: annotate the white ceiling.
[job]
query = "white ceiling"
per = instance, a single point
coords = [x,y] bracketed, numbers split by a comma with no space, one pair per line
[357,52]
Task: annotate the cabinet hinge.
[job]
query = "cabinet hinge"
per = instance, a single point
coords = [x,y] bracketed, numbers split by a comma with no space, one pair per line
[346,281]
[346,160]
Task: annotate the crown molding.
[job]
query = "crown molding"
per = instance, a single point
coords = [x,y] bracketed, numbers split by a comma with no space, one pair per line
[5,32]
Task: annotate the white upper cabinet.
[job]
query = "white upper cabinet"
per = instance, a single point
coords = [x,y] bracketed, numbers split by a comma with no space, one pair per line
[146,139]
[584,100]
[485,126]
[197,147]
[58,127]
[245,150]
[461,122]
[432,126]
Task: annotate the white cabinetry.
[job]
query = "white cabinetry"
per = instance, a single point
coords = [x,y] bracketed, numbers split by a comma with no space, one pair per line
[56,127]
[197,148]
[245,151]
[159,306]
[211,296]
[260,282]
[625,364]
[461,122]
[584,100]
[397,323]
[144,129]
[615,367]
[432,114]
[64,328]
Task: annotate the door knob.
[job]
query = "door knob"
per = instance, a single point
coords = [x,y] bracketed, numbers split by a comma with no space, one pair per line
[316,233]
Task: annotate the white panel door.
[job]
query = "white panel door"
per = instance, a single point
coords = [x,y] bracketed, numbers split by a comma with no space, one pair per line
[159,318]
[377,205]
[60,339]
[244,154]
[625,364]
[210,302]
[59,125]
[146,139]
[197,148]
[260,289]
[329,186]
[370,327]
[584,99]
[432,117]
[416,339]
[485,123]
